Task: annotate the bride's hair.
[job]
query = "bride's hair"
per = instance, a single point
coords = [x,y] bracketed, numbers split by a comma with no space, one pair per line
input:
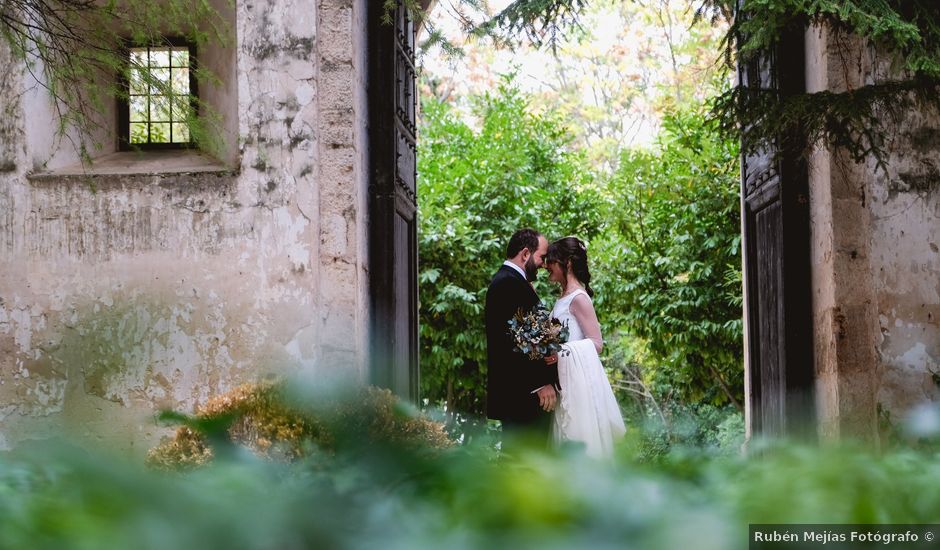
[571,249]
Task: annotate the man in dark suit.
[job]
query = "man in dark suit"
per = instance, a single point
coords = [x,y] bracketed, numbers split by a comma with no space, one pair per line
[521,391]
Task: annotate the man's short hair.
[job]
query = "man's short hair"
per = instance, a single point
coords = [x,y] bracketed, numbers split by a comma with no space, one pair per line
[524,238]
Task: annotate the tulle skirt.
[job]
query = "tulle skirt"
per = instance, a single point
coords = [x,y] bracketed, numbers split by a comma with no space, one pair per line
[587,411]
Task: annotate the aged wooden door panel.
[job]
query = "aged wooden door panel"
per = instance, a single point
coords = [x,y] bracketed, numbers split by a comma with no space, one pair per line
[775,218]
[393,248]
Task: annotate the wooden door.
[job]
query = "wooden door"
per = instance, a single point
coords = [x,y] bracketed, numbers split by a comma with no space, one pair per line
[775,204]
[393,239]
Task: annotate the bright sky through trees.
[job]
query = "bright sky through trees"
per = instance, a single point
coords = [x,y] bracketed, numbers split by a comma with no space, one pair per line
[612,79]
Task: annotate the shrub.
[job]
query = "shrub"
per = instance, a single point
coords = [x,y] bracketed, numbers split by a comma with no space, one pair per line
[477,186]
[270,421]
[669,263]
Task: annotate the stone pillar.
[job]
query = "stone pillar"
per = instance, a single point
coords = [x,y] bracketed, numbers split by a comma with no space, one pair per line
[343,280]
[844,310]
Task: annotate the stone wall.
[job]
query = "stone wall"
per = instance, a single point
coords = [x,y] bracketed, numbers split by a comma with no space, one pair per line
[876,267]
[904,209]
[343,210]
[154,282]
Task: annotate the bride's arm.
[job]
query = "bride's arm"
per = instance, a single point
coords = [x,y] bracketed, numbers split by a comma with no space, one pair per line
[583,312]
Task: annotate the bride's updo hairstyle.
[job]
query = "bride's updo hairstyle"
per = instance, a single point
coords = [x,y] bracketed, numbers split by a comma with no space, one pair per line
[571,249]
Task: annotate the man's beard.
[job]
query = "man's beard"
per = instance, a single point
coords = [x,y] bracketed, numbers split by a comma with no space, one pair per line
[531,270]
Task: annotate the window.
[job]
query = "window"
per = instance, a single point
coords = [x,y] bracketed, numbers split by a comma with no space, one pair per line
[159,110]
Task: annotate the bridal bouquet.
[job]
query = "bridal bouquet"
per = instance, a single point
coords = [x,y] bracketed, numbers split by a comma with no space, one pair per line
[536,333]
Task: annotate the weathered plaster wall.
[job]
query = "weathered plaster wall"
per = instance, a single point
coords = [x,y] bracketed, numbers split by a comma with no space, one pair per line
[875,276]
[904,206]
[218,92]
[122,294]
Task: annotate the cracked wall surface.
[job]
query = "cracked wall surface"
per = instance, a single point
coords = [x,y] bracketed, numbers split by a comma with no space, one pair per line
[122,294]
[876,266]
[905,219]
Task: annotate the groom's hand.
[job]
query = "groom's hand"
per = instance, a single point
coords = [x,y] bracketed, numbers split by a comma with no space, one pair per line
[547,398]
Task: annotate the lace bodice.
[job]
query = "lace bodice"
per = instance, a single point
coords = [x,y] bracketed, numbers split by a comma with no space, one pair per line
[562,312]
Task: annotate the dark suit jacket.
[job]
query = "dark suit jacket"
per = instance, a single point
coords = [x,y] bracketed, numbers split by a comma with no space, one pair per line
[512,376]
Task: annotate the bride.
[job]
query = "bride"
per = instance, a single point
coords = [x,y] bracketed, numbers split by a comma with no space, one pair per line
[587,411]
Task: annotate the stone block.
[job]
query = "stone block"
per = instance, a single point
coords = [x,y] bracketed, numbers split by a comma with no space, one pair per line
[335,34]
[338,283]
[855,337]
[827,404]
[339,328]
[852,279]
[857,406]
[333,235]
[825,329]
[337,178]
[336,86]
[850,226]
[335,128]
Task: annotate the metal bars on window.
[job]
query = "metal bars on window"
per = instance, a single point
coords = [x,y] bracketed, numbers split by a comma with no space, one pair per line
[160,97]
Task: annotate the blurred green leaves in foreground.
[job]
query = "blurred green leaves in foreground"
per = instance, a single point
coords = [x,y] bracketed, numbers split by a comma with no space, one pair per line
[374,492]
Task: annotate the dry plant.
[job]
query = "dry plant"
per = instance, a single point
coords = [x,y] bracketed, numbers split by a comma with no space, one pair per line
[264,418]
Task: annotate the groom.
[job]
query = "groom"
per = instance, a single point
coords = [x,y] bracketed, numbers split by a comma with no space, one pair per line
[521,391]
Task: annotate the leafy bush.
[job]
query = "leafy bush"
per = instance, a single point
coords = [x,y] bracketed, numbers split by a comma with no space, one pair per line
[399,497]
[476,187]
[663,238]
[696,428]
[729,433]
[671,260]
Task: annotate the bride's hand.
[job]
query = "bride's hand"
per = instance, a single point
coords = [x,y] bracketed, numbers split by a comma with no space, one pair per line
[551,359]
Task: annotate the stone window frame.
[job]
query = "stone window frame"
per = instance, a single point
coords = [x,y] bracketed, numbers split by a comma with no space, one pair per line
[123,103]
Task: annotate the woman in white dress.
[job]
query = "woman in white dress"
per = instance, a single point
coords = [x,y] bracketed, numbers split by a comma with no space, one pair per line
[587,411]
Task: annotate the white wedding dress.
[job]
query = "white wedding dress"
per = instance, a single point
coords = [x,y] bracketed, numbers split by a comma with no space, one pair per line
[587,411]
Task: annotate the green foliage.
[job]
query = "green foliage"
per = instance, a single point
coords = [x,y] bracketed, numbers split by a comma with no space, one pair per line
[63,498]
[905,30]
[687,428]
[615,89]
[853,120]
[910,28]
[663,241]
[671,259]
[542,21]
[611,79]
[476,187]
